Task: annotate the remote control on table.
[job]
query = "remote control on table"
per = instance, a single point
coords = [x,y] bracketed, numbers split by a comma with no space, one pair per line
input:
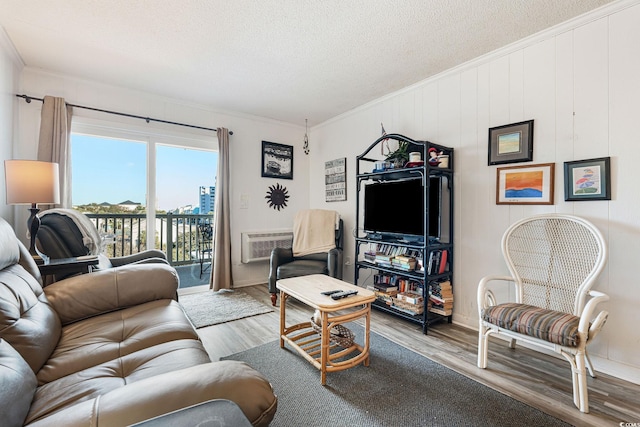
[343,294]
[335,291]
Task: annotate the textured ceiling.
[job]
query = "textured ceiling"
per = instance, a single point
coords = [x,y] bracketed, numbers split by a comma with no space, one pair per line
[283,59]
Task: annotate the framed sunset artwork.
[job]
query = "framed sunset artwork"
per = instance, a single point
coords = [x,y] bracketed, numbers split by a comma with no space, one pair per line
[525,185]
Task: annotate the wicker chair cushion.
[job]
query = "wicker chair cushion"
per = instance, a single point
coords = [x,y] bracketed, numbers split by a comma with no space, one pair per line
[553,326]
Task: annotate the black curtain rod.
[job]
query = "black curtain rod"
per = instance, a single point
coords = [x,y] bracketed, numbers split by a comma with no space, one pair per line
[28,99]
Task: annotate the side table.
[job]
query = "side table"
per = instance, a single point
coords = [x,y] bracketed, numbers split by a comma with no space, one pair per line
[65,266]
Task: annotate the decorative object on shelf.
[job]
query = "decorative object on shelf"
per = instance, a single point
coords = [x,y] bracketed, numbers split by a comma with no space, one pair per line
[32,182]
[415,157]
[383,133]
[443,161]
[434,156]
[511,143]
[400,156]
[305,146]
[277,160]
[277,197]
[525,185]
[335,178]
[587,179]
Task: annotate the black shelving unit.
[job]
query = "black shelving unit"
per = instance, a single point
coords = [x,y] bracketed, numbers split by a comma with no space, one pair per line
[424,245]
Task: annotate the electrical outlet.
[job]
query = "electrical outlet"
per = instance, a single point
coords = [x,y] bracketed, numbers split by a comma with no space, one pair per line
[244,201]
[347,260]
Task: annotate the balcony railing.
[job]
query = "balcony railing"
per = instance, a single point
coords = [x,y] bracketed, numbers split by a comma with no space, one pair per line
[177,235]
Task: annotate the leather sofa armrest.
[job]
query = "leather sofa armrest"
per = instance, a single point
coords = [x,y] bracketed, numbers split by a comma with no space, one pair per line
[103,291]
[279,256]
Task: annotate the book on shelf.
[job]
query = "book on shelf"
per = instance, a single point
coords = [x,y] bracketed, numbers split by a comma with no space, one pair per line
[403,265]
[384,287]
[440,311]
[442,265]
[410,297]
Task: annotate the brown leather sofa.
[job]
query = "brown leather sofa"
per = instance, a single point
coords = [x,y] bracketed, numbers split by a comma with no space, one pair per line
[110,348]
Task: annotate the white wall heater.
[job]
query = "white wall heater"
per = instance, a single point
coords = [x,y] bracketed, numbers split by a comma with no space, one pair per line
[257,245]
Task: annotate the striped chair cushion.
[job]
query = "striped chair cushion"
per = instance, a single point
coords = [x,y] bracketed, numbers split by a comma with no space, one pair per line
[553,326]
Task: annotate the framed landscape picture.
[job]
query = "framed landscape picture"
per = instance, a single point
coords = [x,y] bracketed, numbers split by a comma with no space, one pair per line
[587,179]
[511,143]
[525,185]
[277,160]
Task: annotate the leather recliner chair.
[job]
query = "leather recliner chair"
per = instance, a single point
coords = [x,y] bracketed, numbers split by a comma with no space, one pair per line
[284,265]
[67,233]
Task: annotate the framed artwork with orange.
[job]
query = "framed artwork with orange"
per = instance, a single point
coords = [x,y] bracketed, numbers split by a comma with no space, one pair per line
[525,185]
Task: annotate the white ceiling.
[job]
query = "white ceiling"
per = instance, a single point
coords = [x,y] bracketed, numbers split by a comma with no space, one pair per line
[283,59]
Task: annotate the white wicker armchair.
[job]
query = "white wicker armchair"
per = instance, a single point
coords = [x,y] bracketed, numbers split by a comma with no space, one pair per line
[553,260]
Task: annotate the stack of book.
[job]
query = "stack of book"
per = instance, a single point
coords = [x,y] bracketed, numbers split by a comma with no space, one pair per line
[383,260]
[404,262]
[384,292]
[370,256]
[441,297]
[410,297]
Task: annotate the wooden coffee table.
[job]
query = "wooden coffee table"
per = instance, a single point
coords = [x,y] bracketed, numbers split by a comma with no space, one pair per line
[324,353]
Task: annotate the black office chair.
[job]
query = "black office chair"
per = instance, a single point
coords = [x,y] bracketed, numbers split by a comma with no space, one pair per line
[284,265]
[67,233]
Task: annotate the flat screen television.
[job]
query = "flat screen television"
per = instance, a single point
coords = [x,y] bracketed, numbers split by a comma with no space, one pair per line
[396,208]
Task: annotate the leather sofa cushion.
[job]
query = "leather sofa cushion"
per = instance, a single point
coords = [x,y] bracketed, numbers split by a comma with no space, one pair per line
[103,338]
[17,388]
[100,379]
[30,325]
[302,267]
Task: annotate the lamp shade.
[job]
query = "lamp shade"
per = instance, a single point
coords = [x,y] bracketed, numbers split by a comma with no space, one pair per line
[31,182]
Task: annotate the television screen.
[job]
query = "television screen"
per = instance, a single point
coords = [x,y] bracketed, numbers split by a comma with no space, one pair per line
[397,207]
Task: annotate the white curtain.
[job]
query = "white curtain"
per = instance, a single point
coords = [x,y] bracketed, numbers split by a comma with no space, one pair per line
[221,270]
[53,146]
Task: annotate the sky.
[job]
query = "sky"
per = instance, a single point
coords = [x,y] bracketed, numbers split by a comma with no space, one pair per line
[113,170]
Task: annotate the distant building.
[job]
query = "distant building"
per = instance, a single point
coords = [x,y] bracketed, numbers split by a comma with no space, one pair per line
[129,205]
[207,199]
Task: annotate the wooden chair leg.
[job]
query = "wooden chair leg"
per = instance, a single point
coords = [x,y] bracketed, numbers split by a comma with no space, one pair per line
[274,298]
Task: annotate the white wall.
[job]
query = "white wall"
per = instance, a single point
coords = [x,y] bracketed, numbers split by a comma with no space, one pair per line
[579,82]
[10,66]
[246,145]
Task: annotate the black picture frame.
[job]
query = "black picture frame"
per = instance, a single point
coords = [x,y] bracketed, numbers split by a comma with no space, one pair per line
[512,143]
[277,160]
[588,179]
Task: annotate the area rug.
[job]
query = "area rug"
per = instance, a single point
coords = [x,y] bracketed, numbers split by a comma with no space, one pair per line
[399,388]
[211,308]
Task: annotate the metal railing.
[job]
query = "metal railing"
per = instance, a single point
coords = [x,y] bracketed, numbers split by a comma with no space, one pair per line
[178,235]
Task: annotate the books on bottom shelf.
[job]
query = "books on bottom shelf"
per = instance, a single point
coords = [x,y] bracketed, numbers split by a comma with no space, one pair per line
[407,307]
[441,298]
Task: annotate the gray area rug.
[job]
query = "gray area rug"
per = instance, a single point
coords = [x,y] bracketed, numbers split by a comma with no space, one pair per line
[399,388]
[210,308]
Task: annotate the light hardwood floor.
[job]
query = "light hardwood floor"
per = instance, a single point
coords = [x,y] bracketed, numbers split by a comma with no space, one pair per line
[539,380]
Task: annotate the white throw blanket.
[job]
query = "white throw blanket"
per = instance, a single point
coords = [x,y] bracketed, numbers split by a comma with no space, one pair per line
[90,236]
[314,231]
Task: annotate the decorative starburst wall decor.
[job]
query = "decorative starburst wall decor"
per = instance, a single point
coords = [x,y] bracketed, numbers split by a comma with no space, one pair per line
[277,197]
